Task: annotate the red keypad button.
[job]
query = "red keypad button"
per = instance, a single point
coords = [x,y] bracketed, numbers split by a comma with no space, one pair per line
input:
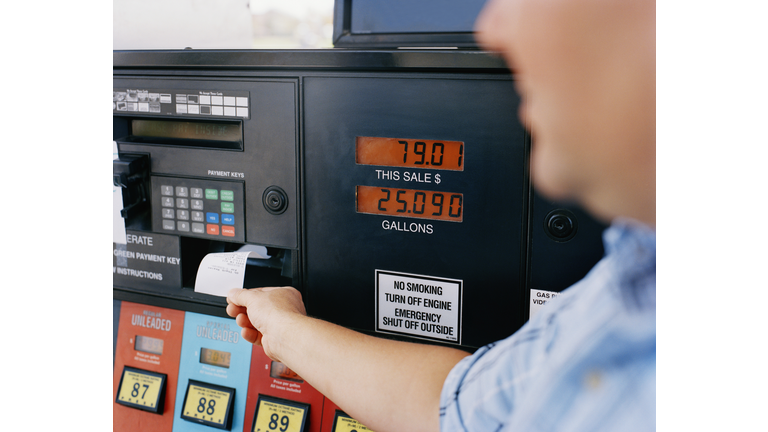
[212,229]
[228,231]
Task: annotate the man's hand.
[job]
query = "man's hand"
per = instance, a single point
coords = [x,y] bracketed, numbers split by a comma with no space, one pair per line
[262,313]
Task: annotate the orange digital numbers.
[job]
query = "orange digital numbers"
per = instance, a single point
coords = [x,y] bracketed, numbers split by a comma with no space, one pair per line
[445,206]
[410,153]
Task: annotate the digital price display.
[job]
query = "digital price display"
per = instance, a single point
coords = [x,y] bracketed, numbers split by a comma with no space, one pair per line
[215,357]
[275,414]
[281,371]
[344,423]
[142,389]
[208,404]
[149,345]
[445,206]
[198,130]
[410,153]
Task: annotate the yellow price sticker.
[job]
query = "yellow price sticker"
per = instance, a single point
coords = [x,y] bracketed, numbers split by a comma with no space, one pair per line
[206,404]
[140,389]
[273,416]
[348,424]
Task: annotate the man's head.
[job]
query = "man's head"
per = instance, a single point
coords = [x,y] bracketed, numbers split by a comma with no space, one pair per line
[586,70]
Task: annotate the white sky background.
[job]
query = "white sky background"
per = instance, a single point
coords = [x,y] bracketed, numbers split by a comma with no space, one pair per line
[297,8]
[204,24]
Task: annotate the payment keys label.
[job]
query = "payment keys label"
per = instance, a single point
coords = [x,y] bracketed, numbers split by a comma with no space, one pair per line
[208,404]
[141,389]
[273,414]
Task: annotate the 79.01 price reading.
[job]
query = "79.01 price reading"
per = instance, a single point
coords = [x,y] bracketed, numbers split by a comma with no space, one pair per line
[410,153]
[445,206]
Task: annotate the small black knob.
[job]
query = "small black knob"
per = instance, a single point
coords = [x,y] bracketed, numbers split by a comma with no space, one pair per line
[560,225]
[275,200]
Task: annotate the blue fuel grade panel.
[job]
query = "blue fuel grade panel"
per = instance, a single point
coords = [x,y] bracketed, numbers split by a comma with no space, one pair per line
[212,352]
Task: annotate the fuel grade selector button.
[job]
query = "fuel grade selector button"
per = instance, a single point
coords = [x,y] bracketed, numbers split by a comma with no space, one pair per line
[142,389]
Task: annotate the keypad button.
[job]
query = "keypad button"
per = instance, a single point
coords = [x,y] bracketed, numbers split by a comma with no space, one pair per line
[198,228]
[182,214]
[182,226]
[198,216]
[195,192]
[227,195]
[227,207]
[168,213]
[212,194]
[228,231]
[228,219]
[212,229]
[169,224]
[182,203]
[182,191]
[197,204]
[212,218]
[167,202]
[166,190]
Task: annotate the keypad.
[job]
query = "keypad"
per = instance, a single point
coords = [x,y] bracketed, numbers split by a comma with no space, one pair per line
[206,209]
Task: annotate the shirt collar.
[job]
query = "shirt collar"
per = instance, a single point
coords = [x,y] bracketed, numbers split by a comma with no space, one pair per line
[632,247]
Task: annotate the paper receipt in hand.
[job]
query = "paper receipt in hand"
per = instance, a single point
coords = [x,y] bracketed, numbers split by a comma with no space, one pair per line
[220,272]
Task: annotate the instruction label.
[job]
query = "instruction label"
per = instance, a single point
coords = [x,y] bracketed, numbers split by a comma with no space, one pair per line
[422,306]
[539,298]
[147,258]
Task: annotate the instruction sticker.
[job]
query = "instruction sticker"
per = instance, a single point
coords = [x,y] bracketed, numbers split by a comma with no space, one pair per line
[539,298]
[422,306]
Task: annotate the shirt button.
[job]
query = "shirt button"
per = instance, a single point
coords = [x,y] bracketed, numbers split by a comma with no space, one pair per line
[593,380]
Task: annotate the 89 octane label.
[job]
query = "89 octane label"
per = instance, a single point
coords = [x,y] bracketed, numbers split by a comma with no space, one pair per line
[274,416]
[416,305]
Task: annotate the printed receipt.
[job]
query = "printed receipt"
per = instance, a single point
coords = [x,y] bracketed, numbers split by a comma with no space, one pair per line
[220,272]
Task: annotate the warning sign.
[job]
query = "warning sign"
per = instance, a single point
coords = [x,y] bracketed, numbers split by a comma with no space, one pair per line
[415,305]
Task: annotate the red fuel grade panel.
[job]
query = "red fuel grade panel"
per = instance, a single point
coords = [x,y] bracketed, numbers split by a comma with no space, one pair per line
[148,338]
[275,379]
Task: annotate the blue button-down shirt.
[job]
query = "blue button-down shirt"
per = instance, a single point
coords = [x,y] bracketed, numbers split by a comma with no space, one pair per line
[585,362]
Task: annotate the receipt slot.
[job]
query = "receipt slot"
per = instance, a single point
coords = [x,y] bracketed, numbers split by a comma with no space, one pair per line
[147,352]
[213,375]
[278,396]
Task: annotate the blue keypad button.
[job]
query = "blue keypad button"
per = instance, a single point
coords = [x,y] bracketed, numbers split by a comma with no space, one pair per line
[212,217]
[228,219]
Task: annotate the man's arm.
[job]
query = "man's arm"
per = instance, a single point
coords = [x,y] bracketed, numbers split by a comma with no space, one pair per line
[384,384]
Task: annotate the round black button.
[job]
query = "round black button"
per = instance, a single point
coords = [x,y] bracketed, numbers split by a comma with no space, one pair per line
[560,225]
[275,200]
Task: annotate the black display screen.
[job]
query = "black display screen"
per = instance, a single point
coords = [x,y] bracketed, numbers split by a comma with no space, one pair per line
[187,130]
